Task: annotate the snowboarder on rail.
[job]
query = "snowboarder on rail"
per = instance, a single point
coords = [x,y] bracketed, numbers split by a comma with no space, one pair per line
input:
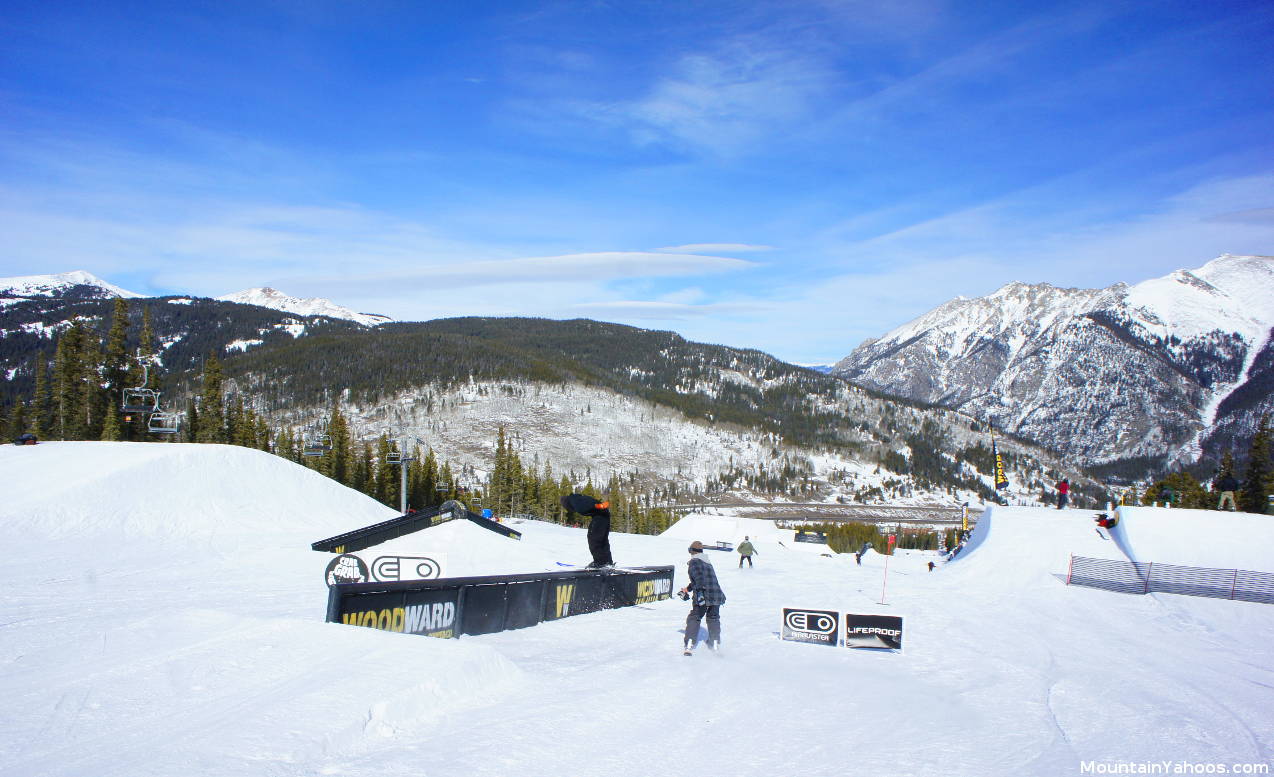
[708,598]
[746,551]
[598,526]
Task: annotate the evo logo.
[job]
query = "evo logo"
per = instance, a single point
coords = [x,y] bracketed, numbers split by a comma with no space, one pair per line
[406,568]
[817,627]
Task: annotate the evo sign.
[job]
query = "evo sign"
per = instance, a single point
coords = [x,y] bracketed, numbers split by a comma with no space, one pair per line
[824,627]
[350,568]
[815,627]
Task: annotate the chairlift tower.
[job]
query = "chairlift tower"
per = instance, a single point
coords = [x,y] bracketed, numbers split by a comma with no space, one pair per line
[400,457]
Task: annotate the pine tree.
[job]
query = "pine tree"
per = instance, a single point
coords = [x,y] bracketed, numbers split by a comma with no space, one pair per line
[92,394]
[337,462]
[192,421]
[385,488]
[429,480]
[212,414]
[17,425]
[115,368]
[40,423]
[1258,481]
[68,372]
[112,429]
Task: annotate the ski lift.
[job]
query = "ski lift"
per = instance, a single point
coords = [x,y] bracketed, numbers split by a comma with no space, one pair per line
[394,457]
[317,441]
[317,446]
[140,399]
[442,488]
[163,421]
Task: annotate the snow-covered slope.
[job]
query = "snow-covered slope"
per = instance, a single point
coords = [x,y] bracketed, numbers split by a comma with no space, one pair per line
[1097,374]
[163,615]
[311,306]
[28,286]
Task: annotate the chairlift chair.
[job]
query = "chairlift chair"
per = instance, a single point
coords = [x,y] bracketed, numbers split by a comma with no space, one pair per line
[140,400]
[317,446]
[163,422]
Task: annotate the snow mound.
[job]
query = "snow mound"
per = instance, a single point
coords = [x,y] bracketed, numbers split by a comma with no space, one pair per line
[176,492]
[1031,546]
[1198,538]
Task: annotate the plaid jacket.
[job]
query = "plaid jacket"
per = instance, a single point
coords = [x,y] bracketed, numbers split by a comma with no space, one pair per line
[703,581]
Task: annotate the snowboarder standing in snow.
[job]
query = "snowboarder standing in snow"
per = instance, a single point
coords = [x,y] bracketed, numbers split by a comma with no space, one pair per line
[1227,485]
[707,600]
[598,526]
[1063,493]
[746,551]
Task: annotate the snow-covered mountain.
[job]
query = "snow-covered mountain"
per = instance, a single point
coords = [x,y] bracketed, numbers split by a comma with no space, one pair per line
[86,284]
[311,306]
[1169,368]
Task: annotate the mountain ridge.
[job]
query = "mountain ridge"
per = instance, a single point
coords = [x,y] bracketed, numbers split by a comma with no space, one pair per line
[1055,365]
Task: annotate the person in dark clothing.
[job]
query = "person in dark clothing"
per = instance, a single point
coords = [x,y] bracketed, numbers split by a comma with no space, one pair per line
[931,566]
[598,514]
[1227,485]
[707,600]
[1063,493]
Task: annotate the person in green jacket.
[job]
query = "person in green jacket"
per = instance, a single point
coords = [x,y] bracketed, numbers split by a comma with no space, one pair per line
[746,551]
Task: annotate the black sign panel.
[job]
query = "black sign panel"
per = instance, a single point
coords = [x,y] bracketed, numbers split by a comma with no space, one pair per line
[811,536]
[873,631]
[816,627]
[450,607]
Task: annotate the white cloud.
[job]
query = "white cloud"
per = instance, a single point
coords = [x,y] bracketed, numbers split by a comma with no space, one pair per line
[720,103]
[718,248]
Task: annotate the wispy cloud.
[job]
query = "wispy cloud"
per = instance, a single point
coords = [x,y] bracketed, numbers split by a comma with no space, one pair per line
[584,268]
[720,248]
[649,310]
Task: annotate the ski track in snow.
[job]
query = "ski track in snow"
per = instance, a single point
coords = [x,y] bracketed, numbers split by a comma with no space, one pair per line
[148,637]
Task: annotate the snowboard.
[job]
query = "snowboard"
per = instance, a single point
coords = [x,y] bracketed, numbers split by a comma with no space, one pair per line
[608,570]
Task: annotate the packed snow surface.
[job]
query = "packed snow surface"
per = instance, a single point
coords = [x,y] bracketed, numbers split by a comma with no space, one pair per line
[163,615]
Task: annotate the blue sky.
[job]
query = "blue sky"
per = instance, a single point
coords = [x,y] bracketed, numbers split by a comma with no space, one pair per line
[789,176]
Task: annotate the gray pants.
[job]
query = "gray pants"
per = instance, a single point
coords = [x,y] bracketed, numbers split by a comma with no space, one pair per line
[697,612]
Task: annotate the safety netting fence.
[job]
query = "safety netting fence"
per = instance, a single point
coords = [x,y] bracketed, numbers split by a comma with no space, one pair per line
[1144,577]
